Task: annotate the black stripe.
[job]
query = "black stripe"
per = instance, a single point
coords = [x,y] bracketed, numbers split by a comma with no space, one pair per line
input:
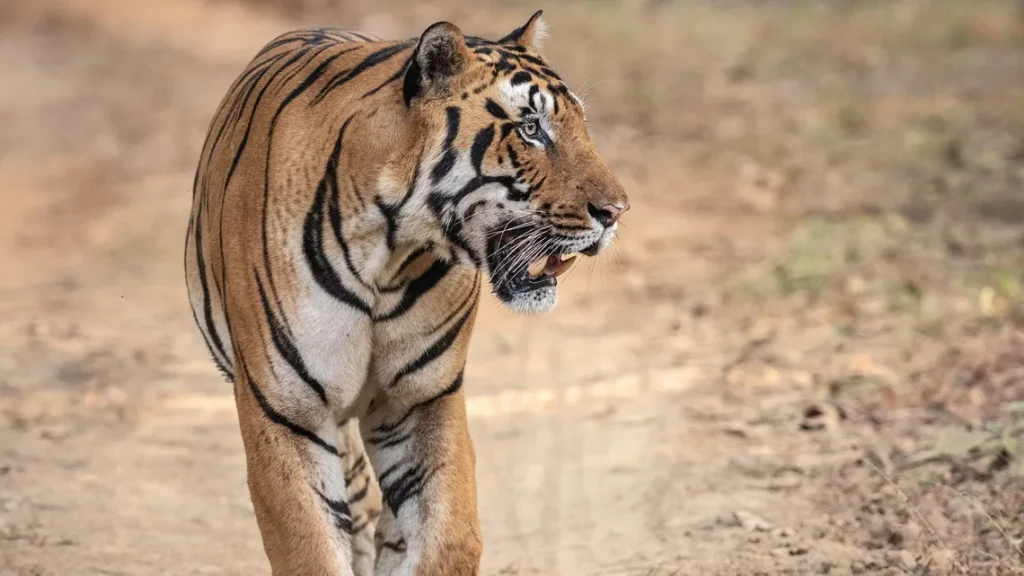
[468,215]
[392,287]
[453,115]
[306,83]
[496,110]
[506,129]
[534,91]
[482,140]
[401,71]
[415,178]
[399,546]
[447,161]
[231,119]
[214,342]
[378,57]
[360,35]
[513,158]
[255,108]
[391,441]
[444,166]
[521,78]
[452,388]
[307,37]
[533,60]
[358,496]
[417,288]
[309,80]
[316,53]
[279,419]
[234,112]
[439,202]
[285,347]
[356,529]
[471,296]
[388,430]
[409,485]
[319,265]
[357,467]
[334,211]
[436,349]
[340,511]
[390,214]
[411,258]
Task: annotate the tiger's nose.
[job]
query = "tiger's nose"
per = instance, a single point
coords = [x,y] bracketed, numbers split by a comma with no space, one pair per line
[608,214]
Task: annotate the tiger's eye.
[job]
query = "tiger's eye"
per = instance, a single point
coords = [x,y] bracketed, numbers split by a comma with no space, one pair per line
[530,127]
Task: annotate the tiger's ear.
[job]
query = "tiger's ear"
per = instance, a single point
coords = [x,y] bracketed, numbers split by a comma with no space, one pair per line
[440,55]
[530,35]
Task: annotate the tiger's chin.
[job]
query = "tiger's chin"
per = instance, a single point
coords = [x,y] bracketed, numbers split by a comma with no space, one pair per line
[535,289]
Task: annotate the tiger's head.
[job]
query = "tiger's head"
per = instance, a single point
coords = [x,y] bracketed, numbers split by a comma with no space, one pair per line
[509,170]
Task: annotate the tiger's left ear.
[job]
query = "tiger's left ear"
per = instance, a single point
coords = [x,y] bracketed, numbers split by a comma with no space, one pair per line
[530,35]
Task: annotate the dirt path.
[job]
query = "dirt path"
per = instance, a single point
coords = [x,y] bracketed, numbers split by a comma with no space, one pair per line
[730,393]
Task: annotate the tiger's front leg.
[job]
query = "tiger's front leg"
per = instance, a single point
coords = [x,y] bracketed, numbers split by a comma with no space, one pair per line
[426,463]
[417,436]
[295,478]
[288,393]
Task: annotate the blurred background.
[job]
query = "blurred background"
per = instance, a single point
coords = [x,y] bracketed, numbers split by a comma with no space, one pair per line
[803,356]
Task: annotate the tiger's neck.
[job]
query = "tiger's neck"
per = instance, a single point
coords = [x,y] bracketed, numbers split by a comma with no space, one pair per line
[392,231]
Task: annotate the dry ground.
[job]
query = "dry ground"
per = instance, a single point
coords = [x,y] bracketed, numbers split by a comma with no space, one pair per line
[804,357]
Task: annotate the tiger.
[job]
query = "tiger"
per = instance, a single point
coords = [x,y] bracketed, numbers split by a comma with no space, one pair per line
[351,198]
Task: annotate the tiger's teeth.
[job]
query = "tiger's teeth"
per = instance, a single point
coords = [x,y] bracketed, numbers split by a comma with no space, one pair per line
[536,268]
[563,266]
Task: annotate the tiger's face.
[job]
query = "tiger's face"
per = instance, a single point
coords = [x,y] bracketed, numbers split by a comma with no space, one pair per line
[516,183]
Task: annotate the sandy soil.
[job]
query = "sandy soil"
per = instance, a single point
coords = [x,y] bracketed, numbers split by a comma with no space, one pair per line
[804,357]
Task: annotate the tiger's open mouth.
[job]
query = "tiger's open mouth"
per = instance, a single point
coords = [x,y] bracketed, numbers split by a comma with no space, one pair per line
[521,263]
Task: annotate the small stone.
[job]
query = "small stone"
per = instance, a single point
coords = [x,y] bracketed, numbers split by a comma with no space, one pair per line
[782,532]
[798,550]
[820,417]
[728,521]
[857,567]
[752,521]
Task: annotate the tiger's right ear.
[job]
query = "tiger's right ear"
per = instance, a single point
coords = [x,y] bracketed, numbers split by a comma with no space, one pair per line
[440,55]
